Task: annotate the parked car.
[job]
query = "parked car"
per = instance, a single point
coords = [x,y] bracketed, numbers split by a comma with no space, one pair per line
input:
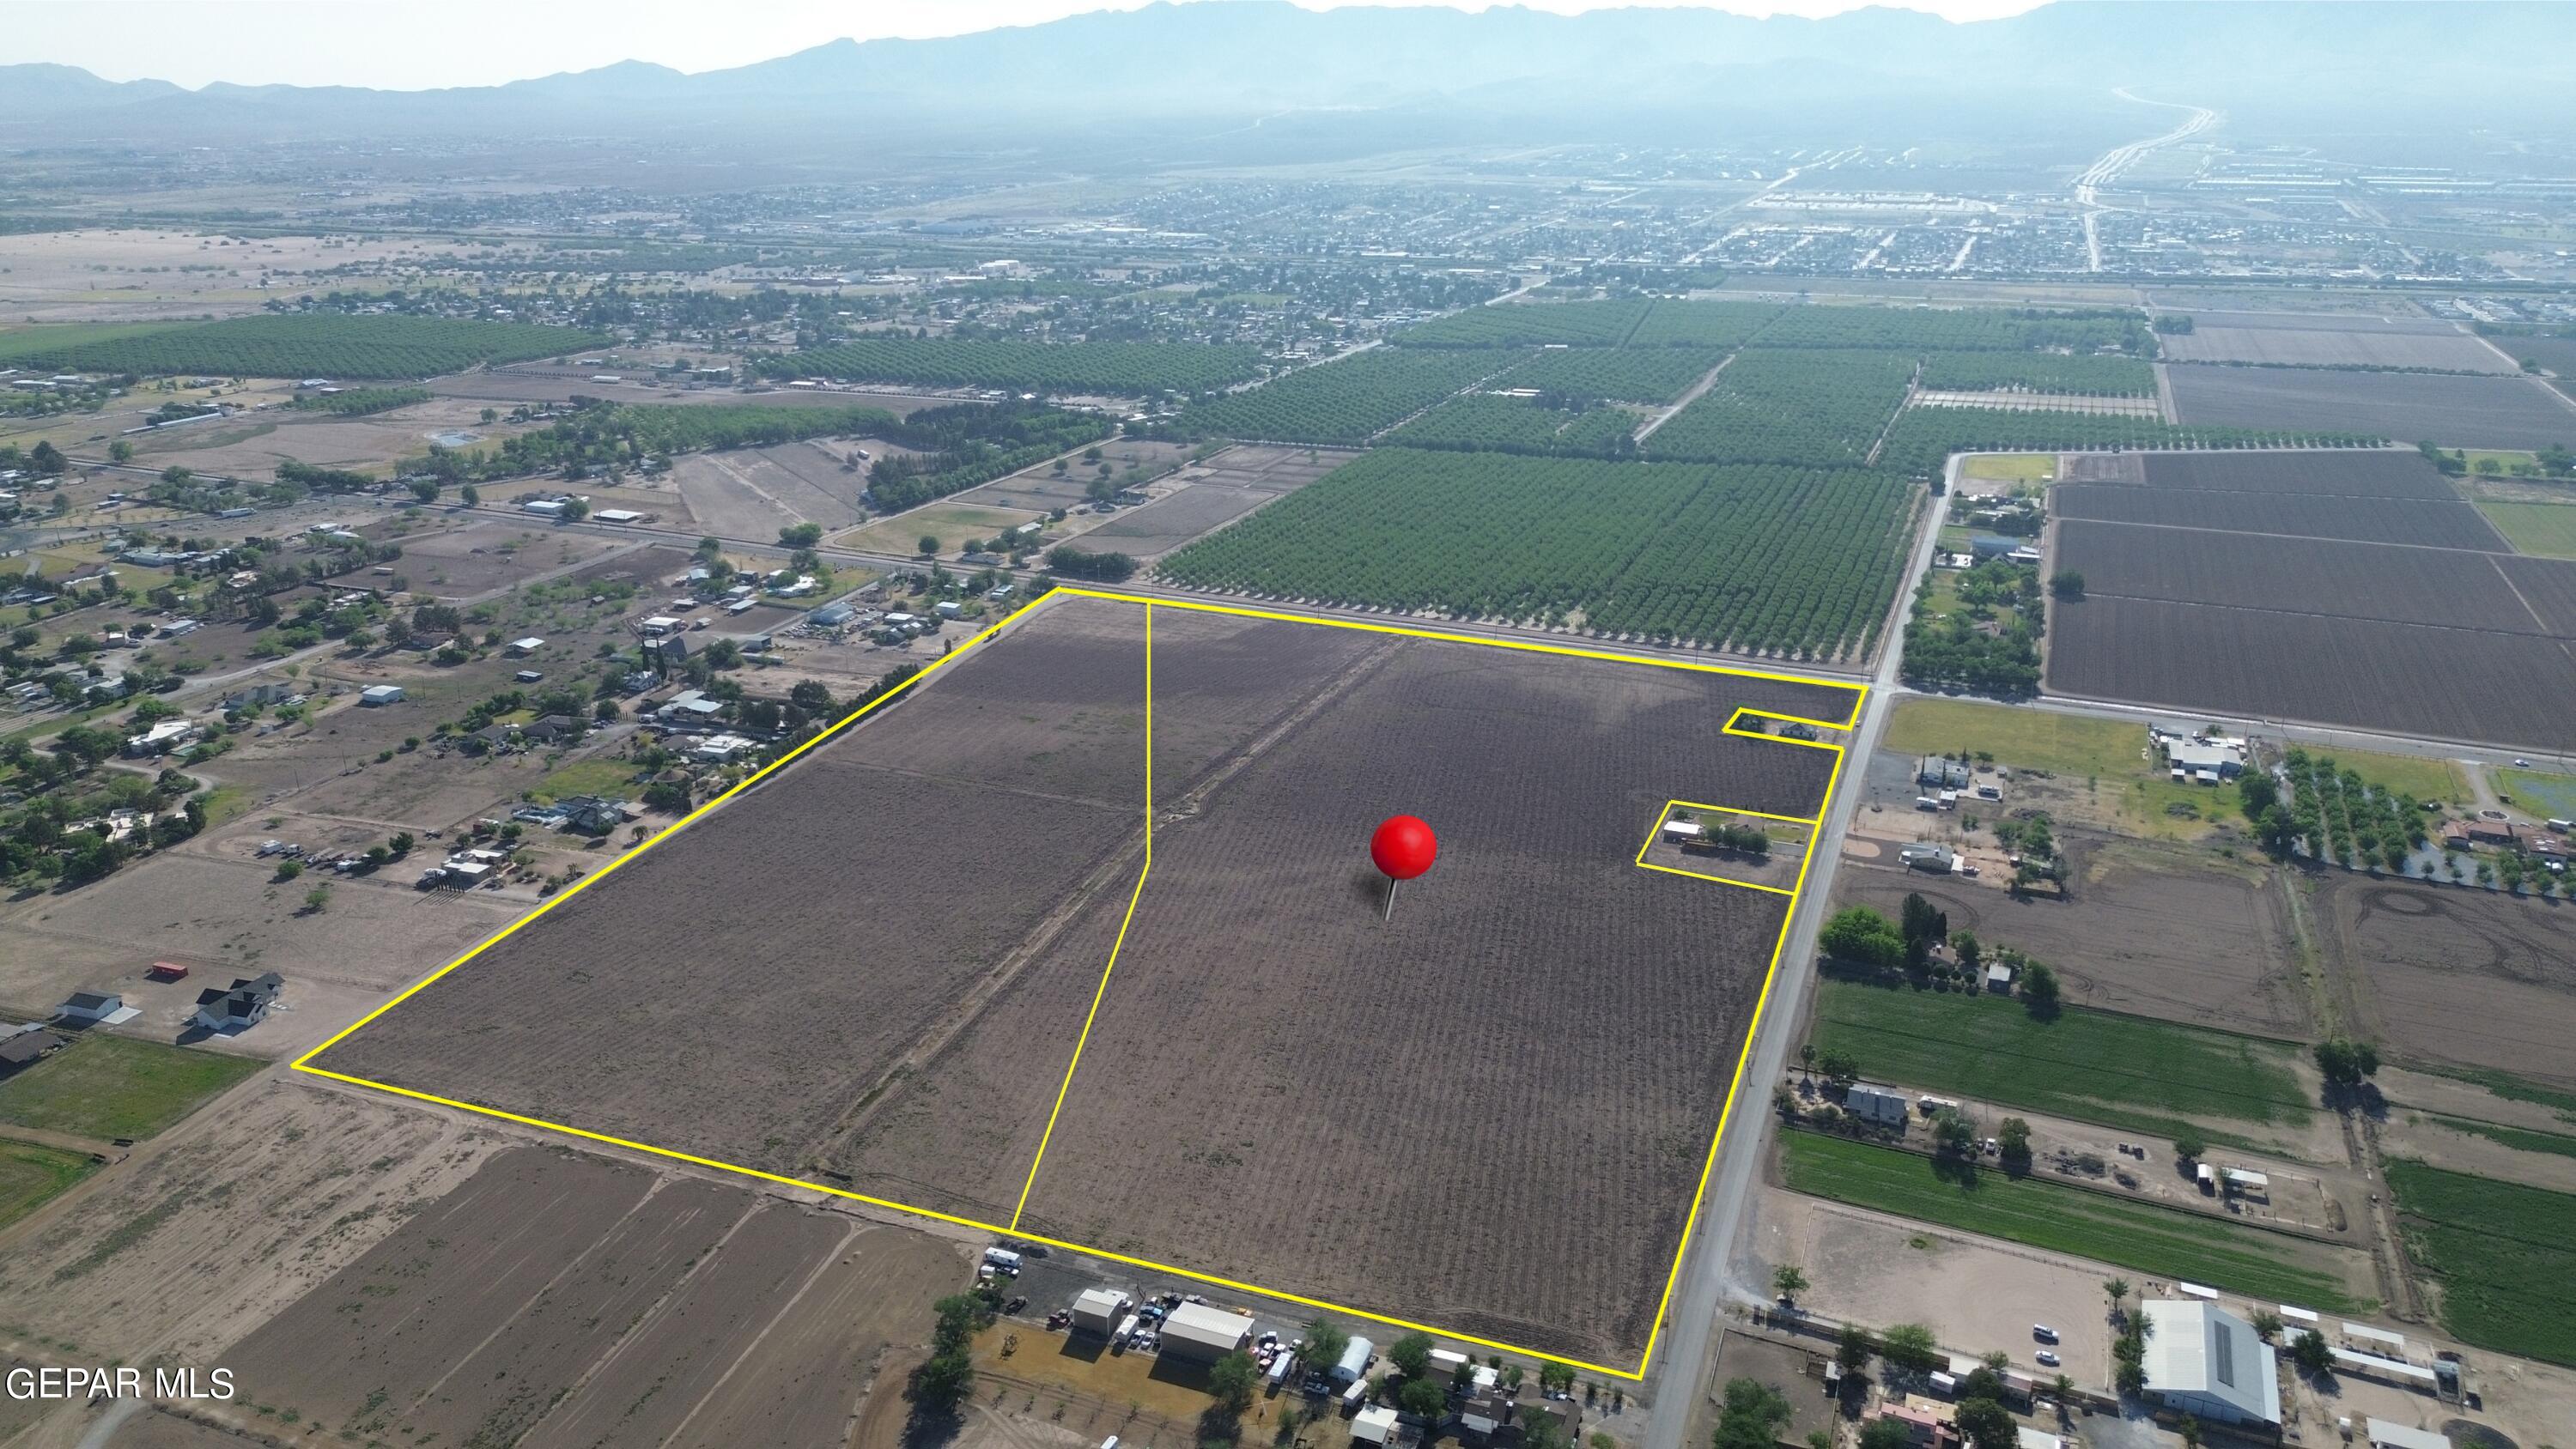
[2047,1359]
[2043,1333]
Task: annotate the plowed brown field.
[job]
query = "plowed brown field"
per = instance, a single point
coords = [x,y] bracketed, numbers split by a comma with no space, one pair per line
[875,969]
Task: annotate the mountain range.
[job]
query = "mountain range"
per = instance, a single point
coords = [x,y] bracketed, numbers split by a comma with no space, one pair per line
[1433,72]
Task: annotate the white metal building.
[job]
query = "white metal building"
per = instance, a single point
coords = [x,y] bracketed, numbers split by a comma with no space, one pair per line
[1200,1334]
[1098,1310]
[2206,1361]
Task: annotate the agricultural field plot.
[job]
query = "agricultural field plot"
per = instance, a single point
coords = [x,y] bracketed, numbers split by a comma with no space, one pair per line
[2429,523]
[1627,374]
[2301,340]
[2026,401]
[2067,1219]
[1347,400]
[1167,523]
[2328,629]
[484,553]
[32,1175]
[754,493]
[1480,422]
[2337,473]
[1703,324]
[2499,1251]
[2091,1066]
[1114,369]
[1961,329]
[2451,684]
[2145,930]
[2486,412]
[1525,324]
[1922,437]
[296,345]
[106,1087]
[2543,530]
[2451,588]
[252,445]
[1769,559]
[2081,375]
[1042,489]
[2460,976]
[1798,406]
[950,522]
[609,1306]
[288,1184]
[1053,746]
[1275,744]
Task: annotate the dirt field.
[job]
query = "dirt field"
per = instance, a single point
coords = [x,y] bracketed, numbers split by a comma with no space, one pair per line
[2166,932]
[2476,412]
[1213,1063]
[1976,1296]
[252,445]
[2456,974]
[450,1328]
[206,1232]
[2428,522]
[2315,341]
[755,492]
[486,553]
[919,1064]
[2244,584]
[2401,678]
[121,276]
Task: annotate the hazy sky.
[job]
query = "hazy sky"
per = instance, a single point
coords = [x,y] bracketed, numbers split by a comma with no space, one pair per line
[415,44]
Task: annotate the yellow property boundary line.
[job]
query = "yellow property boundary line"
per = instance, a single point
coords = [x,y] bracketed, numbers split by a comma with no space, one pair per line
[1735,726]
[1657,829]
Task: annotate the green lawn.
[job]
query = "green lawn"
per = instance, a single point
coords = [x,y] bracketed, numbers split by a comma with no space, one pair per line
[2011,467]
[2550,796]
[2135,1235]
[2502,1251]
[951,523]
[2545,529]
[31,1175]
[2108,750]
[2120,1071]
[112,1086]
[612,778]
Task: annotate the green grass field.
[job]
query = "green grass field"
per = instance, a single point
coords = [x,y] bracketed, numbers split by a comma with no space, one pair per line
[614,779]
[2503,1252]
[2545,529]
[107,1087]
[2075,745]
[2011,467]
[30,1176]
[2136,1235]
[951,523]
[2120,1071]
[2550,796]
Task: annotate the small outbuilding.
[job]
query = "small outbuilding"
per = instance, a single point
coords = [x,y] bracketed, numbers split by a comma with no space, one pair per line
[376,696]
[1098,1310]
[90,1006]
[1373,1424]
[1877,1105]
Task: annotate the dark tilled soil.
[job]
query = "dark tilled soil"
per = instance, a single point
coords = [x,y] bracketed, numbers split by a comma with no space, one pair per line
[2457,974]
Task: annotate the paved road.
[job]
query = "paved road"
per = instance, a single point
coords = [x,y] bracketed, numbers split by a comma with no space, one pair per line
[1681,1355]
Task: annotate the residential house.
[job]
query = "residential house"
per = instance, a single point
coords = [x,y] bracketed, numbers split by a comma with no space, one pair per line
[239,1007]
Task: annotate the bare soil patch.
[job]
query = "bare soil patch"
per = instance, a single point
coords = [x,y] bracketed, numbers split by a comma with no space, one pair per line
[944,883]
[2457,974]
[209,1230]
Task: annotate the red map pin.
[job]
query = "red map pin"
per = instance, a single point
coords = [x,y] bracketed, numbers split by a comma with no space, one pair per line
[1403,847]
